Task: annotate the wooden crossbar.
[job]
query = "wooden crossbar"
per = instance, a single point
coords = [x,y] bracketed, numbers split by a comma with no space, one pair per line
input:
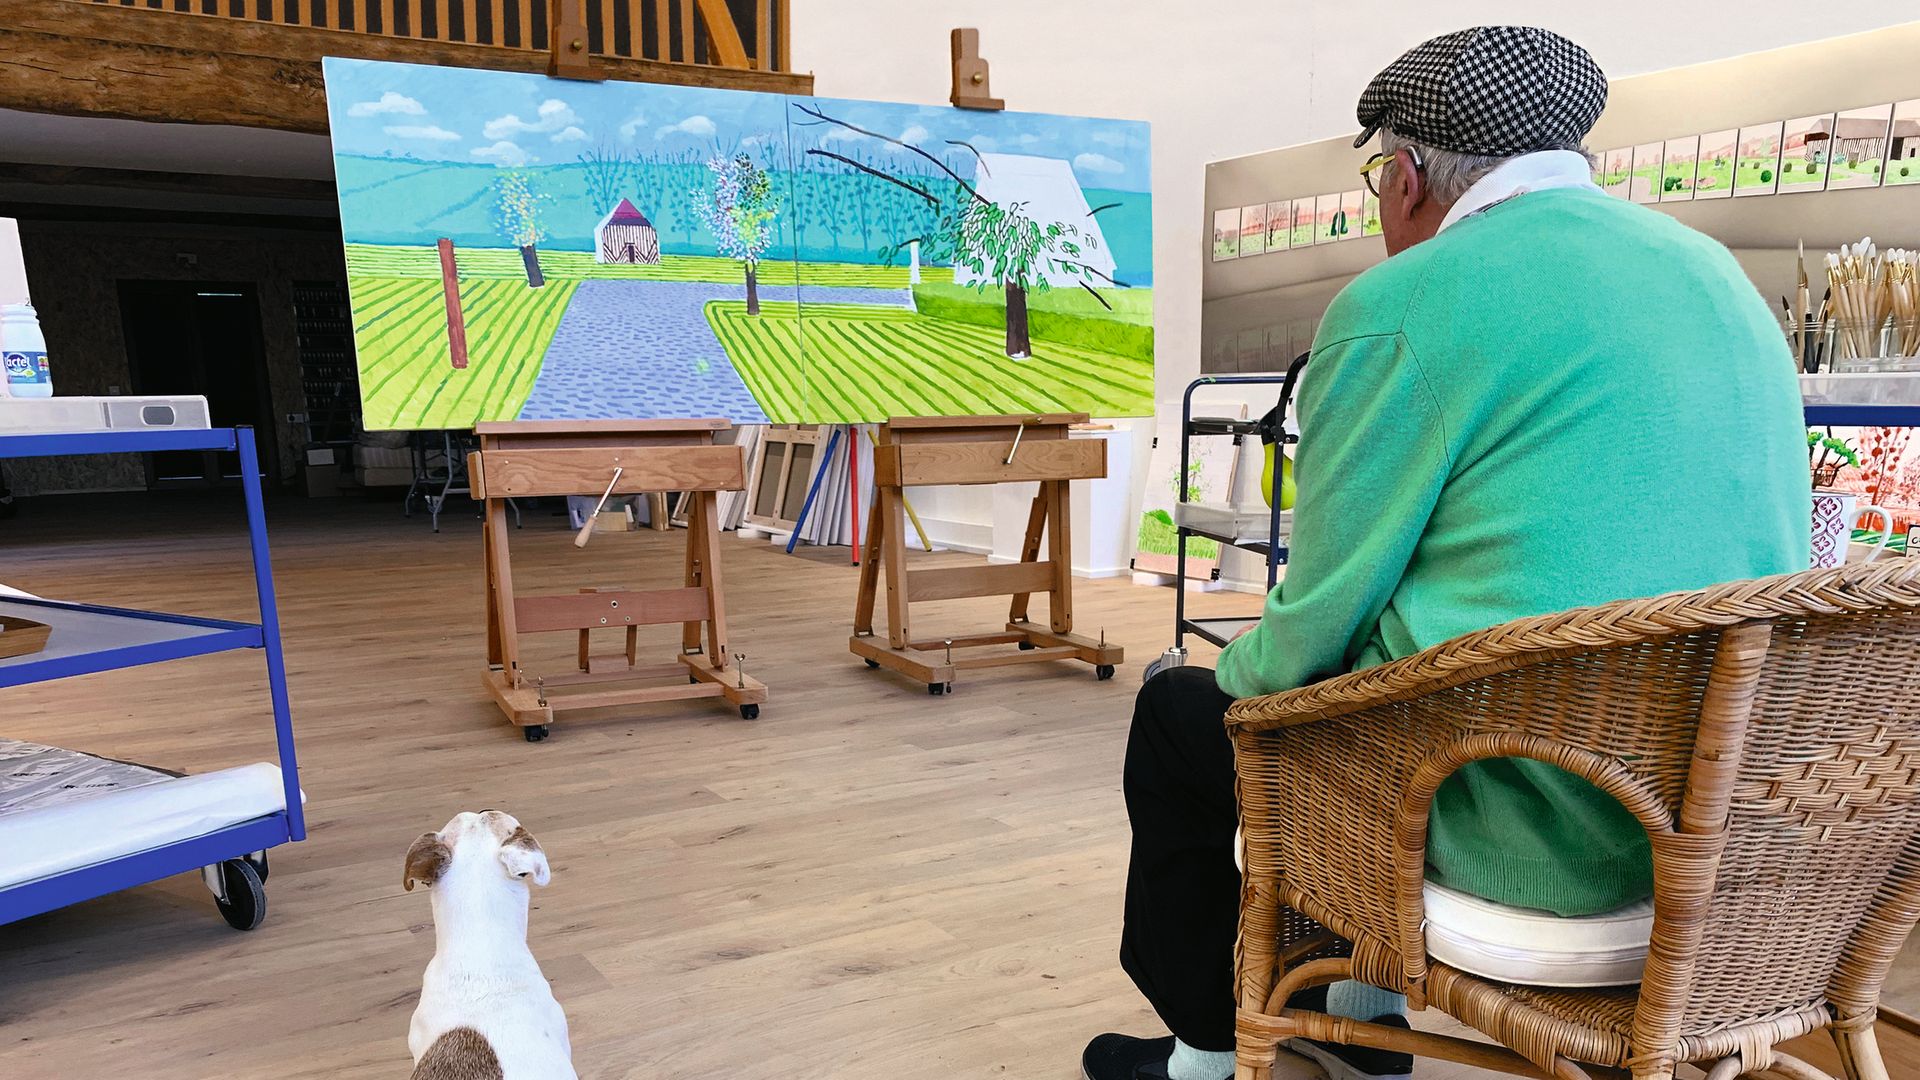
[597,610]
[912,464]
[954,582]
[516,474]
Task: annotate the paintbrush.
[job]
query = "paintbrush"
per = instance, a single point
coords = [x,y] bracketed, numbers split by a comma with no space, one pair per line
[586,528]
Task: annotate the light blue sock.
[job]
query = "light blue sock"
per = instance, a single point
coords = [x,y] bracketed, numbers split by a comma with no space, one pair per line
[1359,1001]
[1190,1064]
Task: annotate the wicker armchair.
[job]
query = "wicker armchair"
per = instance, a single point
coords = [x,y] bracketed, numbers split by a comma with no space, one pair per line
[1767,733]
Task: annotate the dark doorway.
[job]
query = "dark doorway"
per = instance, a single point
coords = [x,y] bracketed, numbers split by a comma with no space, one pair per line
[198,337]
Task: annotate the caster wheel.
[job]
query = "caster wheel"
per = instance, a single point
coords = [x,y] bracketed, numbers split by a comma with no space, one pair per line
[873,665]
[535,732]
[693,680]
[1152,670]
[936,689]
[1103,672]
[749,712]
[246,904]
[1026,646]
[259,864]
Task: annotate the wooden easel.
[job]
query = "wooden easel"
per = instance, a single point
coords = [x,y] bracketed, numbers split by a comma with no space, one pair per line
[525,458]
[913,451]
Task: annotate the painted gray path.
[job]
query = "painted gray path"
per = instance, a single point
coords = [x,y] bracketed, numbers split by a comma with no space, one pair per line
[636,350]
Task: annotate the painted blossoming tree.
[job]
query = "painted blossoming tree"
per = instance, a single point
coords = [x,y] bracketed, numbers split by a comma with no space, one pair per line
[1000,242]
[739,207]
[517,216]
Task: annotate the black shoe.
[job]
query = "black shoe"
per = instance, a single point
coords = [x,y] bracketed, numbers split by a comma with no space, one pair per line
[1123,1057]
[1357,1062]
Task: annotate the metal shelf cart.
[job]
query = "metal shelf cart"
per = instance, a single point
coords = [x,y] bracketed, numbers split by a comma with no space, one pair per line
[1196,520]
[90,638]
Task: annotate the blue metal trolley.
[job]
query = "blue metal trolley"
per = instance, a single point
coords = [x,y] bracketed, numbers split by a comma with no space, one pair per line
[232,859]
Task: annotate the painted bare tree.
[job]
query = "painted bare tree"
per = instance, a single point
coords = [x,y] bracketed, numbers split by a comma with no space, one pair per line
[517,216]
[603,168]
[739,206]
[1001,243]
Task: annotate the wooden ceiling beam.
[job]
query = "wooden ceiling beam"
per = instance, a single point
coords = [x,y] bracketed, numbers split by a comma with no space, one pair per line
[131,63]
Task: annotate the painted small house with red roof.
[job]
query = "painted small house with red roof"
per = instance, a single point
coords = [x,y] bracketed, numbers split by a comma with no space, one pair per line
[626,236]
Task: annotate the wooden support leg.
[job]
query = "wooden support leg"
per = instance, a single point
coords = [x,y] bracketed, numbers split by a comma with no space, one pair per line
[870,565]
[710,579]
[494,657]
[696,529]
[502,636]
[1860,1054]
[1060,551]
[1030,550]
[894,554]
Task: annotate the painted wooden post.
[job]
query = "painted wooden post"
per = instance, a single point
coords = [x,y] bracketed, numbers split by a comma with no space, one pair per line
[456,325]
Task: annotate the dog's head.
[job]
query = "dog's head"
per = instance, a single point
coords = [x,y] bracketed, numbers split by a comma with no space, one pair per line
[490,838]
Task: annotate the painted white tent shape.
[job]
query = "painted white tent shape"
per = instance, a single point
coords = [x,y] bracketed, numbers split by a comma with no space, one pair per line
[1048,192]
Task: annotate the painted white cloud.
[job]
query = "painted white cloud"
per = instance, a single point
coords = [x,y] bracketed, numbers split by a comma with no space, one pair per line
[389,103]
[915,134]
[1110,137]
[570,134]
[840,134]
[421,131]
[1098,163]
[502,153]
[697,126]
[633,125]
[553,115]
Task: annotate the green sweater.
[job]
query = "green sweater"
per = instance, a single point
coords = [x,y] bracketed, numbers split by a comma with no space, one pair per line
[1564,400]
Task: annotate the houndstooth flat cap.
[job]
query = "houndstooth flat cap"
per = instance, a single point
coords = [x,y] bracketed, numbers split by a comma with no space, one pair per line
[1496,90]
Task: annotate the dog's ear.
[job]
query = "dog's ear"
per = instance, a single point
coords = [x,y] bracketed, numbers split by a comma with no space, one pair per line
[521,855]
[427,860]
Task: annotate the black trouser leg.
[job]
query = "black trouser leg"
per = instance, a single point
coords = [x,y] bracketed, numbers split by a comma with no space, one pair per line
[1183,891]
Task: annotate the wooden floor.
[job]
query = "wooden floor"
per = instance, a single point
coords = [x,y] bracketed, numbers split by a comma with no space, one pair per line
[866,882]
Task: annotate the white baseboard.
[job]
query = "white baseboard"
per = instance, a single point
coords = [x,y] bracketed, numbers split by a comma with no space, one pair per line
[965,536]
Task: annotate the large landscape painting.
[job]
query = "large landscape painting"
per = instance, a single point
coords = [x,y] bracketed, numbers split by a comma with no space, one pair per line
[534,248]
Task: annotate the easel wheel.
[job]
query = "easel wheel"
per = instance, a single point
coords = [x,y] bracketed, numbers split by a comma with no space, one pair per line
[1026,646]
[874,664]
[934,688]
[749,712]
[1103,672]
[535,732]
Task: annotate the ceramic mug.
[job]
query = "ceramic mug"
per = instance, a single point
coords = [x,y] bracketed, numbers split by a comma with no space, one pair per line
[1834,513]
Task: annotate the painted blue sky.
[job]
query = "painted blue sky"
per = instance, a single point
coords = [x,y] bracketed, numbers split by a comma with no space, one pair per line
[514,119]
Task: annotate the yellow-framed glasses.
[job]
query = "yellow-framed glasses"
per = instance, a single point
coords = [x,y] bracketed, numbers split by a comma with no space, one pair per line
[1369,172]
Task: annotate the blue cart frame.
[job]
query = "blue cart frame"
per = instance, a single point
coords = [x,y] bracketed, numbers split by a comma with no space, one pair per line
[230,845]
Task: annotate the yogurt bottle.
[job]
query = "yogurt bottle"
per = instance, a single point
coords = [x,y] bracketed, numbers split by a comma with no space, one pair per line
[23,353]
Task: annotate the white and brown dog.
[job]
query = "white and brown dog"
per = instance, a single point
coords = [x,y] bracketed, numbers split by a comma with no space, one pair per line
[486,1012]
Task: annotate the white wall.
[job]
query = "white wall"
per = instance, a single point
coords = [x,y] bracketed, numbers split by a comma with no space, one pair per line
[1233,77]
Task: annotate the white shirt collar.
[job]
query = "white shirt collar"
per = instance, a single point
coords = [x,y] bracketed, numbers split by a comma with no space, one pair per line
[1538,171]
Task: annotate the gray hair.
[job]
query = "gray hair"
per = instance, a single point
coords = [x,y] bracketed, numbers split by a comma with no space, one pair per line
[1451,172]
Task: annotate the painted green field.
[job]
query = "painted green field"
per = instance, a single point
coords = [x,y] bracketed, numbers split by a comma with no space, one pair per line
[373,260]
[868,363]
[1760,172]
[401,323]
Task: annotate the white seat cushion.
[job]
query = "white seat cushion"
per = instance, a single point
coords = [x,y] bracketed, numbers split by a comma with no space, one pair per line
[1537,948]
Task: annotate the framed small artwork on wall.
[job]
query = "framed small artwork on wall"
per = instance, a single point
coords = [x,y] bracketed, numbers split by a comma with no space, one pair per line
[1757,170]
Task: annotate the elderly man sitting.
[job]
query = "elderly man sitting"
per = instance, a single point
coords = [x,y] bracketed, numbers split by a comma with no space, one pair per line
[1544,398]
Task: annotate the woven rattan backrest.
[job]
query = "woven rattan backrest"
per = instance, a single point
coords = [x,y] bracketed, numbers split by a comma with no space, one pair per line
[1819,866]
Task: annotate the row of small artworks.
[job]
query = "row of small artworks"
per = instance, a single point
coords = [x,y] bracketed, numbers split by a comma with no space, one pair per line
[1873,146]
[1269,348]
